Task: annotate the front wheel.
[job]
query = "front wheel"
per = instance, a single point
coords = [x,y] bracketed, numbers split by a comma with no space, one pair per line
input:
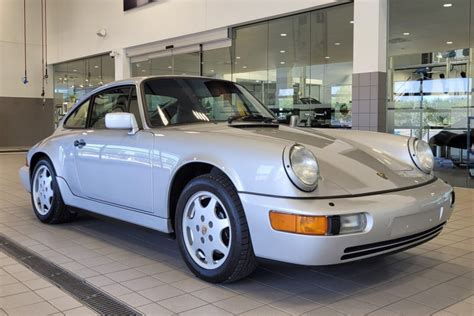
[46,198]
[212,230]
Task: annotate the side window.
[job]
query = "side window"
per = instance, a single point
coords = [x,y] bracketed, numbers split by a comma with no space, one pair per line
[78,119]
[113,100]
[134,107]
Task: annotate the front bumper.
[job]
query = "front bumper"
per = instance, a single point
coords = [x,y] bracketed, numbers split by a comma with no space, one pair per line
[395,221]
[25,177]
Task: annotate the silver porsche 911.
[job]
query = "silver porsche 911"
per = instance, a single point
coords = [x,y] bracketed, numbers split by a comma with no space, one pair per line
[203,159]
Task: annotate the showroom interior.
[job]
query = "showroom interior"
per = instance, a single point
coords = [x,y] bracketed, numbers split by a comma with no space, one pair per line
[398,67]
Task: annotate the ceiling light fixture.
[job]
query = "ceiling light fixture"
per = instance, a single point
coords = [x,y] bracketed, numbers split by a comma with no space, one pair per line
[351,22]
[245,67]
[449,42]
[337,44]
[282,62]
[327,57]
[406,33]
[75,70]
[237,57]
[283,34]
[96,66]
[283,51]
[170,67]
[447,5]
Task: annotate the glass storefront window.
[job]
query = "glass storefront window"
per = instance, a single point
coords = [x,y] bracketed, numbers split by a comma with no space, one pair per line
[216,63]
[299,65]
[429,67]
[74,79]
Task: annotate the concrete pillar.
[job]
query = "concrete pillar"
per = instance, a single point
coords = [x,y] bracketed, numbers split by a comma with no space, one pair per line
[369,79]
[122,64]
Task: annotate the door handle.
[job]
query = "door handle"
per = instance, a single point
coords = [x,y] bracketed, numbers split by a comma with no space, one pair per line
[79,143]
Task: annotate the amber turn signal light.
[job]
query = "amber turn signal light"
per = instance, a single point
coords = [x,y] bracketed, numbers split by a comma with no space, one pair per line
[299,224]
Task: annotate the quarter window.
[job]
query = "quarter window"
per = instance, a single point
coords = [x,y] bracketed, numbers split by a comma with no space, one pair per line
[110,101]
[78,119]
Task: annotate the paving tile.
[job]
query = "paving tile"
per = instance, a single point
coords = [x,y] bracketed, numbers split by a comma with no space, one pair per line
[182,303]
[295,305]
[161,292]
[407,307]
[13,288]
[214,294]
[125,275]
[65,303]
[25,276]
[432,300]
[7,279]
[17,300]
[353,307]
[37,309]
[384,312]
[140,284]
[265,311]
[80,311]
[323,311]
[238,304]
[191,285]
[134,299]
[37,284]
[155,268]
[451,291]
[206,310]
[100,280]
[377,297]
[154,309]
[461,308]
[50,293]
[172,276]
[116,289]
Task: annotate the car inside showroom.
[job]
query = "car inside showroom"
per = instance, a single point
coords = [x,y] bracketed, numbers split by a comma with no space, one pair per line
[266,157]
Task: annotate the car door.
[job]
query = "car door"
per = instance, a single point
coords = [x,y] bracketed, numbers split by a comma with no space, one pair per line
[112,166]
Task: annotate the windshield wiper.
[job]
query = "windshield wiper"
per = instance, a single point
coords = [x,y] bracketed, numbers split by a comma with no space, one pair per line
[250,117]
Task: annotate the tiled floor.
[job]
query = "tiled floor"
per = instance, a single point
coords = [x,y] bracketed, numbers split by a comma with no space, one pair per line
[143,268]
[23,292]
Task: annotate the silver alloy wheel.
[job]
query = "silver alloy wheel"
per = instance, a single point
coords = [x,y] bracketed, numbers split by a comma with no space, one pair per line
[43,190]
[206,230]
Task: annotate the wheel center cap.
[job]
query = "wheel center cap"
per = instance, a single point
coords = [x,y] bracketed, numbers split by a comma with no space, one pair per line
[204,229]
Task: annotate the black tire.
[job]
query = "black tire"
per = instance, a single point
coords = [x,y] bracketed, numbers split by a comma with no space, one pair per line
[240,261]
[58,212]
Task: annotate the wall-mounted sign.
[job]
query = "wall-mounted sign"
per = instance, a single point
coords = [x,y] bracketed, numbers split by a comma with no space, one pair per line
[131,4]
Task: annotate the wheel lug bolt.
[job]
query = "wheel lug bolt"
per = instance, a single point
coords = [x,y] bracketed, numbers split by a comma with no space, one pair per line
[210,238]
[202,239]
[210,224]
[197,227]
[202,218]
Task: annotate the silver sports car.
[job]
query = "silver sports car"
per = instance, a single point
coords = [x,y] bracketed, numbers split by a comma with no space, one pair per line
[204,160]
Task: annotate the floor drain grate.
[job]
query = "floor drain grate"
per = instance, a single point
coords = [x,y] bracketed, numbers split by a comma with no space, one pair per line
[89,295]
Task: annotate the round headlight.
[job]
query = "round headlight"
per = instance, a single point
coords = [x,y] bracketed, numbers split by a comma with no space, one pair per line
[302,167]
[421,154]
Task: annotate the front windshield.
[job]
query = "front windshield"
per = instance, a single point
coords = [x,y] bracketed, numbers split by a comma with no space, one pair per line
[170,101]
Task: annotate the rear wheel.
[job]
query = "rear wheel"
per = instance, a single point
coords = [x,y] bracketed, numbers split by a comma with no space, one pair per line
[46,198]
[212,230]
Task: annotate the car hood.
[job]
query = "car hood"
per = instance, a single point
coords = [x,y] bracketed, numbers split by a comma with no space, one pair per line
[352,166]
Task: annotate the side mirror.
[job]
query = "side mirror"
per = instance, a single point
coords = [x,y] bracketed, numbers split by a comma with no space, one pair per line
[122,120]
